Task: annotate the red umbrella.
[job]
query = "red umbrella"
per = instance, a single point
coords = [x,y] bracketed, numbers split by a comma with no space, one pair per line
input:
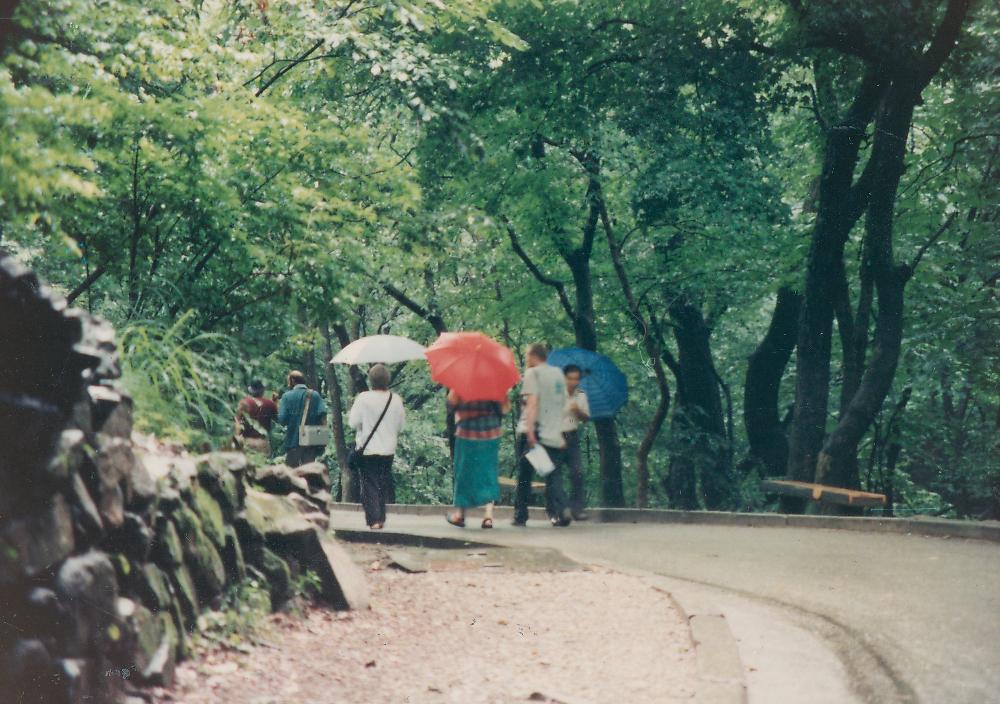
[473,366]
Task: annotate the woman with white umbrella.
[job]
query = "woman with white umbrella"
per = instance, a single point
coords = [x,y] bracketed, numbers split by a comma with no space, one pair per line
[377,416]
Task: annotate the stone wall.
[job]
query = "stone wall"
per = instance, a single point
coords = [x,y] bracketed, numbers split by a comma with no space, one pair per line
[112,544]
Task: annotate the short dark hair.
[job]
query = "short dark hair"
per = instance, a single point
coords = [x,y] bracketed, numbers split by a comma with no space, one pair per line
[256,387]
[539,349]
[570,368]
[379,377]
[295,377]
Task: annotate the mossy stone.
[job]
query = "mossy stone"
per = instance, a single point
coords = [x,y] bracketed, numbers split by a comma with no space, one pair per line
[167,551]
[232,557]
[187,594]
[210,515]
[279,578]
[151,584]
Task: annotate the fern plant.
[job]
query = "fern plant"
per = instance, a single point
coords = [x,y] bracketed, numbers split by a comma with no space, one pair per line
[177,378]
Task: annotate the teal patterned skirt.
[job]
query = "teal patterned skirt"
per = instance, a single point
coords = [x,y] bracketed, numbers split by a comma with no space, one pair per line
[476,463]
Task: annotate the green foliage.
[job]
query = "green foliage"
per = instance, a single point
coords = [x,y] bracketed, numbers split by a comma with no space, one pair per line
[245,607]
[224,180]
[176,380]
[308,585]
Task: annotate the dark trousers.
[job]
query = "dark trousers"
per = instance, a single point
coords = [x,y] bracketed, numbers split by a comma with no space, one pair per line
[574,461]
[376,486]
[298,456]
[555,495]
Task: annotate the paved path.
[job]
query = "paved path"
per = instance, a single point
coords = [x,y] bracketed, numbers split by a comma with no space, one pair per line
[909,618]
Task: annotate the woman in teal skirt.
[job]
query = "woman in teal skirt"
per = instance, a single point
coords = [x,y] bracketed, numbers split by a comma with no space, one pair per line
[477,447]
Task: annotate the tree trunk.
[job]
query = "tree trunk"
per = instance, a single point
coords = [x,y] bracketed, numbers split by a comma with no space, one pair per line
[583,321]
[135,236]
[698,464]
[766,366]
[355,376]
[840,206]
[610,451]
[610,454]
[7,8]
[854,339]
[309,367]
[837,462]
[841,203]
[651,343]
[348,489]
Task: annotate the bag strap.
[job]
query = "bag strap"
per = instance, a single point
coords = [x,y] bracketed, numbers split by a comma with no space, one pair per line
[377,424]
[305,408]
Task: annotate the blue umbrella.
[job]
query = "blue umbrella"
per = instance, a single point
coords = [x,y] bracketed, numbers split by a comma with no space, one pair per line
[603,382]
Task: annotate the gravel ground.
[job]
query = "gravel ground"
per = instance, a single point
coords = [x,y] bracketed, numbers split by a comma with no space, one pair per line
[464,633]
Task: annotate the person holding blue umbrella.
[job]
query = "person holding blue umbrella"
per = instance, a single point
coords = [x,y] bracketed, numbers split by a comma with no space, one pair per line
[602,381]
[577,411]
[600,390]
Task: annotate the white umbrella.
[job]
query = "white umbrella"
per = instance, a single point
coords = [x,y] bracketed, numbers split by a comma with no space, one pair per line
[387,349]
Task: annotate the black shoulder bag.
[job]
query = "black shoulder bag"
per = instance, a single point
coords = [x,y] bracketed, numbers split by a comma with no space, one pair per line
[355,455]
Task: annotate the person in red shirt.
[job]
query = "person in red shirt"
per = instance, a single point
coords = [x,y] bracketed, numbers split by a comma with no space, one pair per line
[254,416]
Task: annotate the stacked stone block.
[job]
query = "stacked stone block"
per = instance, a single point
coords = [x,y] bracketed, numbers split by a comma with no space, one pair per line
[107,554]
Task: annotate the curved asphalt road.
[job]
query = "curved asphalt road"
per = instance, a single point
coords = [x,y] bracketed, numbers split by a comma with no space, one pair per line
[911,618]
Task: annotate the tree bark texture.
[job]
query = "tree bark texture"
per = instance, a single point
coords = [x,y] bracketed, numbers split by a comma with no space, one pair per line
[610,452]
[578,260]
[854,333]
[765,368]
[7,8]
[348,488]
[837,461]
[651,343]
[840,206]
[698,464]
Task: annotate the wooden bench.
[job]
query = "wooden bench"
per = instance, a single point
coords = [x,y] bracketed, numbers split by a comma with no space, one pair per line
[822,493]
[510,484]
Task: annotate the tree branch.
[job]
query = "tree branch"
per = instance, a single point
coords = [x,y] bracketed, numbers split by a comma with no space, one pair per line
[596,66]
[944,40]
[435,320]
[535,271]
[814,100]
[596,202]
[266,296]
[86,284]
[292,63]
[911,268]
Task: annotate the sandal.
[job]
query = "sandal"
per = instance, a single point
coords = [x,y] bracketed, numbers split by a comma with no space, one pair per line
[487,523]
[456,519]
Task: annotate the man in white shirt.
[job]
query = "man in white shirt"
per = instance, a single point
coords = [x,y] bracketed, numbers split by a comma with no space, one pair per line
[576,411]
[543,392]
[378,438]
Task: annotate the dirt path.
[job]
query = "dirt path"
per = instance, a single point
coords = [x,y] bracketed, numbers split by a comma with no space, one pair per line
[472,630]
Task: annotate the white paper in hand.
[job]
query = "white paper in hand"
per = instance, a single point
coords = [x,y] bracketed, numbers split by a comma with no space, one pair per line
[540,460]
